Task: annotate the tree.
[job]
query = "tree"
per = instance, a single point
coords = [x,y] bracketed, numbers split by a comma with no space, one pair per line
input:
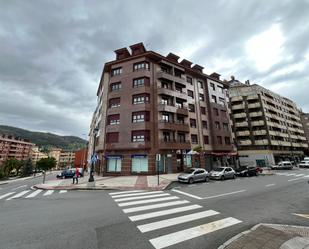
[46,163]
[26,168]
[10,165]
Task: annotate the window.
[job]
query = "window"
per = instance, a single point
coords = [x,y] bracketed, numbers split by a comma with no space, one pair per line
[140,66]
[181,137]
[212,85]
[219,140]
[201,97]
[192,123]
[114,119]
[112,137]
[116,71]
[166,136]
[206,139]
[216,111]
[217,125]
[115,102]
[139,163]
[203,110]
[227,140]
[190,94]
[223,113]
[194,139]
[214,98]
[200,84]
[221,101]
[140,82]
[165,118]
[225,126]
[140,117]
[114,163]
[140,98]
[204,124]
[178,88]
[189,80]
[221,89]
[140,136]
[191,108]
[116,86]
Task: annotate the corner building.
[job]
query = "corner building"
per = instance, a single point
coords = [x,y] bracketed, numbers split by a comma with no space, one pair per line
[150,104]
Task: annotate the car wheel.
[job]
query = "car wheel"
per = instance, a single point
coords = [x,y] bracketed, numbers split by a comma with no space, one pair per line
[191,181]
[222,178]
[234,176]
[206,179]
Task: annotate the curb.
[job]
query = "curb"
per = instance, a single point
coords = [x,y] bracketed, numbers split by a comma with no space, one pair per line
[2,183]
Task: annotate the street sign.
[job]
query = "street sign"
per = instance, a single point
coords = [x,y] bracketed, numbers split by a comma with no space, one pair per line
[158,157]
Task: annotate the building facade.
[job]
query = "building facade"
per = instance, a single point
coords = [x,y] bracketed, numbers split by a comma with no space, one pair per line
[55,153]
[267,126]
[11,147]
[80,159]
[37,155]
[305,122]
[66,159]
[149,104]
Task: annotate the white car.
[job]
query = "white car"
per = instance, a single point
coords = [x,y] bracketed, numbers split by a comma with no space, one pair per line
[222,173]
[304,164]
[283,165]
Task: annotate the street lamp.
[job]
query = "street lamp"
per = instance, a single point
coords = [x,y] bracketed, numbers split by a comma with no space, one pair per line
[95,132]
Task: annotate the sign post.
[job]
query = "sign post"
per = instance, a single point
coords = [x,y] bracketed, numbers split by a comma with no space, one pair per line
[158,159]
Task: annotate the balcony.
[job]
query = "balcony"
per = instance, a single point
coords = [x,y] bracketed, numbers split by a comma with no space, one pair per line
[171,92]
[241,124]
[255,114]
[243,133]
[244,142]
[258,123]
[261,142]
[172,108]
[236,98]
[171,77]
[255,105]
[251,97]
[174,144]
[238,107]
[259,133]
[171,125]
[240,115]
[128,146]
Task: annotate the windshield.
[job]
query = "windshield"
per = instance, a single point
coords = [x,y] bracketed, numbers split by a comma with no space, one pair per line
[218,169]
[189,171]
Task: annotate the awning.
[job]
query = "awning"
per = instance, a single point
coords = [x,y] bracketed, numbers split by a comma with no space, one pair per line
[224,153]
[192,152]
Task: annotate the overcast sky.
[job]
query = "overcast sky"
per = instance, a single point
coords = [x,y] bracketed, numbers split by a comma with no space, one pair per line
[52,52]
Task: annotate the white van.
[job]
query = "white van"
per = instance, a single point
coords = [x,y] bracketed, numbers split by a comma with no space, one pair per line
[283,165]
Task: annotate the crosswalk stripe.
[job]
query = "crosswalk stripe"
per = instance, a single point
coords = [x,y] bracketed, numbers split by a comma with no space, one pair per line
[35,193]
[175,221]
[126,192]
[154,206]
[48,192]
[63,191]
[293,174]
[124,204]
[299,175]
[141,197]
[136,194]
[164,212]
[306,176]
[295,179]
[6,195]
[187,234]
[18,195]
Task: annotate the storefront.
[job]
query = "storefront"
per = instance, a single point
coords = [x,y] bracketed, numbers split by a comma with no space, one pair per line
[139,163]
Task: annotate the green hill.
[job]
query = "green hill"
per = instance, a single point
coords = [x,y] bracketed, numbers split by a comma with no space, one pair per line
[45,140]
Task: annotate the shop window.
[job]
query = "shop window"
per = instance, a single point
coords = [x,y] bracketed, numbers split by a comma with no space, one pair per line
[139,163]
[114,163]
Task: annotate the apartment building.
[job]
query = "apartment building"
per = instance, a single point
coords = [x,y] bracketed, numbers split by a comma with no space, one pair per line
[66,159]
[37,155]
[305,122]
[55,153]
[267,126]
[150,104]
[14,147]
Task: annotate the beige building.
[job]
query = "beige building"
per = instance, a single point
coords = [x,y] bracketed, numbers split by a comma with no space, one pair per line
[37,155]
[267,126]
[55,153]
[66,159]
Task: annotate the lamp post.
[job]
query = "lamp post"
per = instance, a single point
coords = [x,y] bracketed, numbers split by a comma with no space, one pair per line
[95,132]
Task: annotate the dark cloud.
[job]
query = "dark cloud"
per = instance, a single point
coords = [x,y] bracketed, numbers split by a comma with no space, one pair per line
[52,52]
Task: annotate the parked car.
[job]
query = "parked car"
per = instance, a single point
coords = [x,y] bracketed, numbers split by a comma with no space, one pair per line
[304,164]
[222,173]
[246,171]
[259,170]
[283,165]
[194,175]
[69,173]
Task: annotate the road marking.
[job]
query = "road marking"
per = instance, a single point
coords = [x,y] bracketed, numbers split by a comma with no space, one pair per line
[231,193]
[175,221]
[187,194]
[154,206]
[126,192]
[302,215]
[18,195]
[164,212]
[35,193]
[141,197]
[5,195]
[290,174]
[187,234]
[299,175]
[147,201]
[137,194]
[19,187]
[48,192]
[270,185]
[306,176]
[63,191]
[295,179]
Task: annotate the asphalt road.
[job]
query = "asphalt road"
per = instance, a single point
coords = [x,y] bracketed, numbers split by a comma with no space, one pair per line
[214,211]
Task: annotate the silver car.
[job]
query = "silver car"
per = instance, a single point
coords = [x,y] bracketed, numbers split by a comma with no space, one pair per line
[222,173]
[194,175]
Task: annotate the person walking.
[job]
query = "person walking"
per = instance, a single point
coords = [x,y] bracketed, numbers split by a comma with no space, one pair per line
[75,177]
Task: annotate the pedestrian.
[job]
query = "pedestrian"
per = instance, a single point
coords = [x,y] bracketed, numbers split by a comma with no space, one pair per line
[75,177]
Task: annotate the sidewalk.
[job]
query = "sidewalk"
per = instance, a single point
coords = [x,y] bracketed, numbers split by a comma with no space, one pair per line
[17,179]
[112,182]
[270,236]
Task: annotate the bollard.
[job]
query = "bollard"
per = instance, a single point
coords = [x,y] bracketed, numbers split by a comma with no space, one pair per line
[43,177]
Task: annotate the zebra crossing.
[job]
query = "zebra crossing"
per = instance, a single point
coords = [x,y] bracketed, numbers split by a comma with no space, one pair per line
[294,175]
[159,205]
[28,194]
